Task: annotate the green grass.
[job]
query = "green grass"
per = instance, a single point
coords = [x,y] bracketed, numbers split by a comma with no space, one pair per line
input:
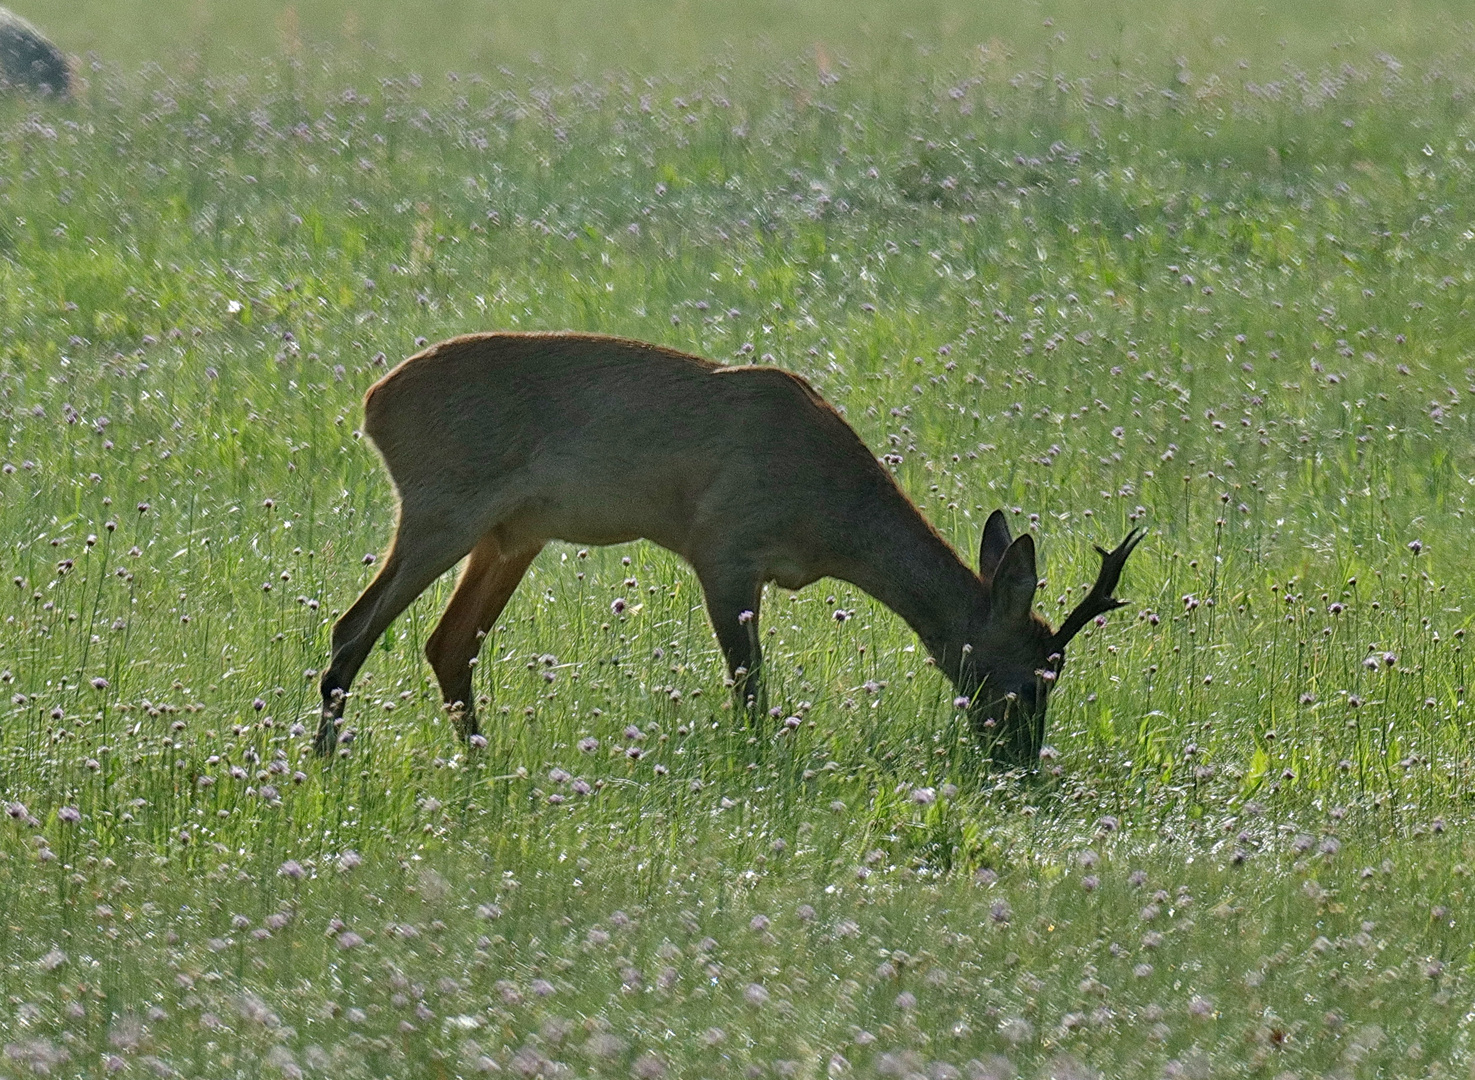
[1233,305]
[588,37]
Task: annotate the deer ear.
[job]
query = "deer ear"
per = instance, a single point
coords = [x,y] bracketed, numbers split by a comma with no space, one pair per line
[995,543]
[1015,582]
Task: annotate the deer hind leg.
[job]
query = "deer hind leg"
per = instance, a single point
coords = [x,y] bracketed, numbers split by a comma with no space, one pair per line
[423,549]
[490,577]
[733,601]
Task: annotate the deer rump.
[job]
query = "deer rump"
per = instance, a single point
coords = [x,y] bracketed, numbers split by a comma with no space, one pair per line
[498,443]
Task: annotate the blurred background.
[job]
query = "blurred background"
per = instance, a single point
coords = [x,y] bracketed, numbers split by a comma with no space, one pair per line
[589,36]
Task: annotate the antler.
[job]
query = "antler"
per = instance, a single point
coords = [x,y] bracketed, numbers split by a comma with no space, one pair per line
[1099,600]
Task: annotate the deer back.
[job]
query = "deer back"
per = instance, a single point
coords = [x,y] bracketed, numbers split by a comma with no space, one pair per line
[599,440]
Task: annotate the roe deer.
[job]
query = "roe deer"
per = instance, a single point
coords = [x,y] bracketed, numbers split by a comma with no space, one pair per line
[498,443]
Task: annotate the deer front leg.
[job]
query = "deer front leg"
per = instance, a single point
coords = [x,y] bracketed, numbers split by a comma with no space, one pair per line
[733,601]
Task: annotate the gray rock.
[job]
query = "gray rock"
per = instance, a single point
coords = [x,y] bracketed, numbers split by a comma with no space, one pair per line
[28,60]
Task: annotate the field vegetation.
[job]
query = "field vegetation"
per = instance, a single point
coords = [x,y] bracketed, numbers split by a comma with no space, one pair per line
[1199,282]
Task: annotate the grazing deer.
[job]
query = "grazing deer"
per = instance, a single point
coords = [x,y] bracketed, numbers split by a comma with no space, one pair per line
[498,443]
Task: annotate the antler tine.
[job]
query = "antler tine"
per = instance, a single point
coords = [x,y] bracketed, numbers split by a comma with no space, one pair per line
[1099,600]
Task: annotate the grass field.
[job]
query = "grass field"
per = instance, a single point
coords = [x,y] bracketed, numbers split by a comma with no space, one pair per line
[589,37]
[1227,298]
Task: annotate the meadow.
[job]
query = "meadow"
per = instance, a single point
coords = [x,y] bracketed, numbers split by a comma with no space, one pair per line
[1220,292]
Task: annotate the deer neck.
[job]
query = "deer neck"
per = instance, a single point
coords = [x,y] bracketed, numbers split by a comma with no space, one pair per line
[903,562]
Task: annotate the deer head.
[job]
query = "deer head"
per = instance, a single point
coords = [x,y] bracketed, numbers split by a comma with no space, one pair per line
[1015,657]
